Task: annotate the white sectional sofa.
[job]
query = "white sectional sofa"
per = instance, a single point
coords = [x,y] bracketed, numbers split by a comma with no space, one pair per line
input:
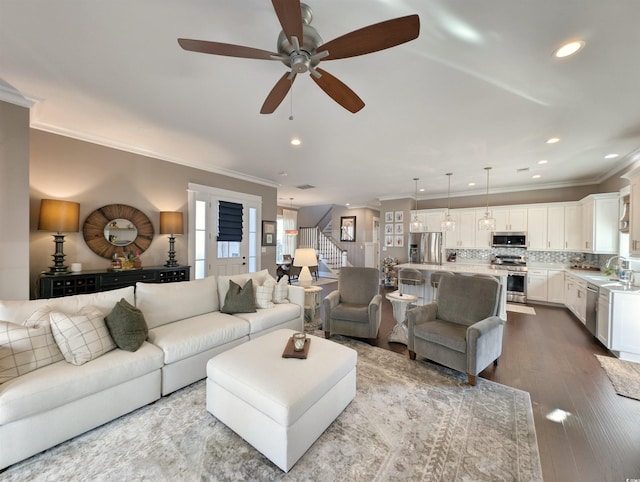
[53,403]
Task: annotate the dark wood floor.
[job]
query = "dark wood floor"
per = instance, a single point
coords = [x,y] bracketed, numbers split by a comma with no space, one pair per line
[551,356]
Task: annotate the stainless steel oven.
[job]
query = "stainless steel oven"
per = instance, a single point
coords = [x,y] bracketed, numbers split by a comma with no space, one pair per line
[517,277]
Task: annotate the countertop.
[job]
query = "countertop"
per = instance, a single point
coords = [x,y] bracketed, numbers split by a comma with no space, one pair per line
[601,280]
[457,268]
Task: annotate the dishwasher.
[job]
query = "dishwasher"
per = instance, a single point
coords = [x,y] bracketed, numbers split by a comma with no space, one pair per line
[591,316]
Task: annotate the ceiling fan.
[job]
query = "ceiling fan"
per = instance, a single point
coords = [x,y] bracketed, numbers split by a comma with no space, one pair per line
[301,49]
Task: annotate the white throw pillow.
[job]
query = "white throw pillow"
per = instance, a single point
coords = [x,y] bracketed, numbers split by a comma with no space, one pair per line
[264,293]
[81,337]
[281,290]
[27,348]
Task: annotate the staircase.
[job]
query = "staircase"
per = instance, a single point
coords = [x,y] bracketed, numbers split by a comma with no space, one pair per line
[328,250]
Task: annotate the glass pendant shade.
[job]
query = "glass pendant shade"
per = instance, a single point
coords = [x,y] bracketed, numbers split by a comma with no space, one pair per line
[416,225]
[487,223]
[449,224]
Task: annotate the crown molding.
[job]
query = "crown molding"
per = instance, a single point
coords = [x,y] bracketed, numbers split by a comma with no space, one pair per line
[82,136]
[13,96]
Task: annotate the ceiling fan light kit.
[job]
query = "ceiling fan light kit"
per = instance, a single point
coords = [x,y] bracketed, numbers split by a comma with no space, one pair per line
[295,19]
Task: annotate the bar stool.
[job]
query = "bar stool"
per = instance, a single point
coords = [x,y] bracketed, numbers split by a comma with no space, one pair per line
[435,281]
[411,277]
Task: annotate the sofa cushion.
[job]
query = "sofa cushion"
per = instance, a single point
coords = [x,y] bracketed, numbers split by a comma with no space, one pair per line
[167,302]
[258,278]
[281,290]
[26,348]
[239,299]
[61,382]
[264,293]
[195,335]
[81,337]
[127,326]
[266,319]
[19,311]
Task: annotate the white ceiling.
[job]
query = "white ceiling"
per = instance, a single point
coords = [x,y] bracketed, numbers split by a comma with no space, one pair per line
[479,87]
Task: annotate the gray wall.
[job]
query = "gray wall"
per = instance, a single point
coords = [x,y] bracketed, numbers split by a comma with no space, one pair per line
[95,176]
[14,201]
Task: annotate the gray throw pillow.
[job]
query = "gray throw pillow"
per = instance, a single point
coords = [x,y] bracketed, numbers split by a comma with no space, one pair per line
[127,326]
[239,300]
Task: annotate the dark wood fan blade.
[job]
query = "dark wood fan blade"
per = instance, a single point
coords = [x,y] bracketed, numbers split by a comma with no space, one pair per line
[229,50]
[373,38]
[277,94]
[290,16]
[338,91]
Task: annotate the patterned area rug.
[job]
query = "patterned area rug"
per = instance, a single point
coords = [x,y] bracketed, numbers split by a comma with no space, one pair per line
[624,375]
[410,420]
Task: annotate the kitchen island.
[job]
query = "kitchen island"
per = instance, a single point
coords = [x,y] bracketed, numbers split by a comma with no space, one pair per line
[426,293]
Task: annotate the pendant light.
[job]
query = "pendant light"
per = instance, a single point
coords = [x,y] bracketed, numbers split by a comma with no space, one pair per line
[291,232]
[449,224]
[487,223]
[416,225]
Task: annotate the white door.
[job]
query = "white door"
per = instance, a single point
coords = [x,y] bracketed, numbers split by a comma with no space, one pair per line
[210,253]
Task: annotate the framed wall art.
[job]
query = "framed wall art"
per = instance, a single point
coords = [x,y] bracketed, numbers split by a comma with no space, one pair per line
[388,217]
[348,229]
[399,228]
[388,229]
[399,241]
[399,216]
[388,241]
[268,233]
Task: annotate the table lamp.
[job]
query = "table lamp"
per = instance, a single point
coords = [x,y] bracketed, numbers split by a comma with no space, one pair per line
[305,257]
[59,216]
[171,224]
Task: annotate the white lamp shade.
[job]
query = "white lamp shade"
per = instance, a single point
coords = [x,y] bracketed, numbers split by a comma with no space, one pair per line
[305,257]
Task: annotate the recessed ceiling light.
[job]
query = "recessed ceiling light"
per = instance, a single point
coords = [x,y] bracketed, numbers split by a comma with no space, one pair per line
[295,141]
[553,140]
[421,189]
[536,176]
[472,184]
[542,161]
[611,156]
[348,204]
[568,49]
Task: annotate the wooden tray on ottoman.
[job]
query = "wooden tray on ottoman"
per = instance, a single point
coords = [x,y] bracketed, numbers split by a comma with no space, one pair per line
[289,352]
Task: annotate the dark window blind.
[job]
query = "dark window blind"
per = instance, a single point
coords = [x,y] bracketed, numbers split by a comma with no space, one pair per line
[229,221]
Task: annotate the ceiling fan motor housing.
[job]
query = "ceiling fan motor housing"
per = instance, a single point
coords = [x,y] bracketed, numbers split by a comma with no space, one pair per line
[300,61]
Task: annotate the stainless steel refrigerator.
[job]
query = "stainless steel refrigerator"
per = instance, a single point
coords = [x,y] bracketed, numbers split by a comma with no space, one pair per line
[425,248]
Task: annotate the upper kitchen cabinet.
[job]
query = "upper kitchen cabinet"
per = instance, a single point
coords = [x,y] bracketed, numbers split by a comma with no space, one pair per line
[600,223]
[554,228]
[573,228]
[634,211]
[464,236]
[538,232]
[510,219]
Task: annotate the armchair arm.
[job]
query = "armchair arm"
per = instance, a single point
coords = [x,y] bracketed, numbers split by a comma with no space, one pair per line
[328,303]
[418,315]
[484,343]
[375,315]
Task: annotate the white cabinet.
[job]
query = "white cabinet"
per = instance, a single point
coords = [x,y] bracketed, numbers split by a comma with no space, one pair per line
[537,285]
[555,227]
[433,220]
[634,213]
[625,329]
[603,330]
[573,228]
[555,286]
[464,235]
[510,219]
[576,296]
[537,234]
[600,223]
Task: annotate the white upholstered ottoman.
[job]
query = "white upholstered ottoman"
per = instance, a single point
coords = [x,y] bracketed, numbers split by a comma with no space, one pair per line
[281,405]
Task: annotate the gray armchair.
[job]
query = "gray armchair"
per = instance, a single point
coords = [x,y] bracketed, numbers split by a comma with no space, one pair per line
[355,308]
[461,329]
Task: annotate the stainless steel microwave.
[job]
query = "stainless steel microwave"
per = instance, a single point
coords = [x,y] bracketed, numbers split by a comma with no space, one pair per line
[509,239]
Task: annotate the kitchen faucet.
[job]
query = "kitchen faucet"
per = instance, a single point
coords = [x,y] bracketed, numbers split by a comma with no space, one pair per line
[608,263]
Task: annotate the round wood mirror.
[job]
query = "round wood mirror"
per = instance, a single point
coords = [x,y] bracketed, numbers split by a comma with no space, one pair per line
[119,229]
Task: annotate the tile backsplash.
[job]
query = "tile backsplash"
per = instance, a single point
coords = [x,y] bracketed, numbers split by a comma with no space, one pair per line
[556,257]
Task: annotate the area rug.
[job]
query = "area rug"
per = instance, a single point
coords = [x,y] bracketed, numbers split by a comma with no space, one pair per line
[528,310]
[624,375]
[410,420]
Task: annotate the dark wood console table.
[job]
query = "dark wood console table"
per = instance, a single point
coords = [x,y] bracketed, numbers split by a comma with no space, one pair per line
[55,286]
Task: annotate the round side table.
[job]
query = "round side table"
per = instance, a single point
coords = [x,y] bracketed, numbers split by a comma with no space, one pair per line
[400,333]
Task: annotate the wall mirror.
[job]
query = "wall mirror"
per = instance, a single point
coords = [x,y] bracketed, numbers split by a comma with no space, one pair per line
[119,229]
